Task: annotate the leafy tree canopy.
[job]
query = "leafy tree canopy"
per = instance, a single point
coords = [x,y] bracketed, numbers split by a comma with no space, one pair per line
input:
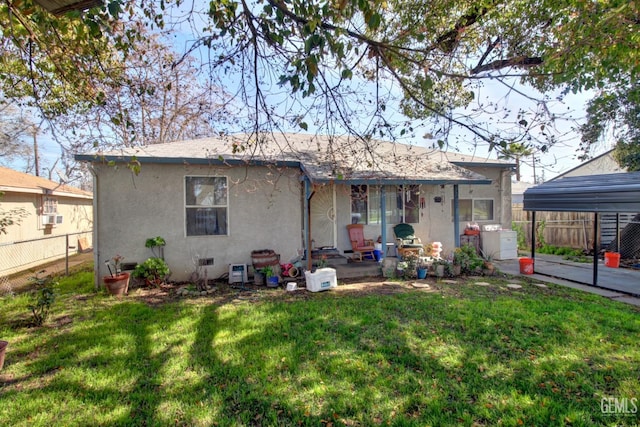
[614,115]
[340,65]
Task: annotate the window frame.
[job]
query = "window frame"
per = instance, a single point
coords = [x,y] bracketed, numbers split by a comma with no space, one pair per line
[473,201]
[391,193]
[213,206]
[49,202]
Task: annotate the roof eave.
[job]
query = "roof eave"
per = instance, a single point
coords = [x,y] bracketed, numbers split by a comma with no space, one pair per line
[484,164]
[278,163]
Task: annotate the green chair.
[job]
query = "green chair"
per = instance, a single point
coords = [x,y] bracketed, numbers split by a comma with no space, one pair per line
[406,240]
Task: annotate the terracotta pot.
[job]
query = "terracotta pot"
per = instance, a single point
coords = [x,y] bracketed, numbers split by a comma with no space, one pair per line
[117,285]
[3,350]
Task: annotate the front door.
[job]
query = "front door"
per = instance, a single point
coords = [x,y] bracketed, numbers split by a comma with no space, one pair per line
[323,216]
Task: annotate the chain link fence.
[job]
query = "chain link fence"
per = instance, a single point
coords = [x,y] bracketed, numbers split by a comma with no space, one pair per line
[616,233]
[19,260]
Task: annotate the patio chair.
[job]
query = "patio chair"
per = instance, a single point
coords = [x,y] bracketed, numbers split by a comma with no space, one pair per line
[359,244]
[406,241]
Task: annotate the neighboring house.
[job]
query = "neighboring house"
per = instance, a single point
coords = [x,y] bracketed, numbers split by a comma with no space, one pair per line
[223,198]
[51,212]
[602,164]
[517,191]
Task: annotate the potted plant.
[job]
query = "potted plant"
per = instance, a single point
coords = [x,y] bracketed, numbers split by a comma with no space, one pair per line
[441,267]
[154,271]
[460,261]
[156,244]
[422,268]
[117,282]
[469,260]
[410,260]
[271,277]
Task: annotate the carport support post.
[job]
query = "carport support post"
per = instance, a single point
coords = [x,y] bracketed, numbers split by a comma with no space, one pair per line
[533,239]
[617,232]
[596,248]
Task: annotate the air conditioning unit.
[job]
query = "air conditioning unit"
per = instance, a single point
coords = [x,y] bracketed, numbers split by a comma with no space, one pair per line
[48,219]
[238,273]
[52,219]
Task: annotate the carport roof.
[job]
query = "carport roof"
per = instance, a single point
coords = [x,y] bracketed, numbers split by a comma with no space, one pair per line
[322,158]
[617,192]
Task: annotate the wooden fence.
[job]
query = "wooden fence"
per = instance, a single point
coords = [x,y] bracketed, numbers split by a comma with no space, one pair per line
[570,229]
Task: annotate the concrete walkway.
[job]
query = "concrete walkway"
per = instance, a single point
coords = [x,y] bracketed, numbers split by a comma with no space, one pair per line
[621,284]
[22,281]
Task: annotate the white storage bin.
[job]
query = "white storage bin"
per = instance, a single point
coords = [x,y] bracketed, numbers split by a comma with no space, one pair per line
[321,280]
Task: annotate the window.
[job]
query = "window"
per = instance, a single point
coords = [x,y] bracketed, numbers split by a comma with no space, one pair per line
[49,206]
[474,209]
[206,205]
[359,204]
[401,204]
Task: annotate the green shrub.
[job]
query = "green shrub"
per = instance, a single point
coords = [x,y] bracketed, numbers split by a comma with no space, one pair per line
[42,299]
[154,271]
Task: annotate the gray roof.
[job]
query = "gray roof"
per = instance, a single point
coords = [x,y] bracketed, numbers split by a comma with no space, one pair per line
[322,158]
[617,192]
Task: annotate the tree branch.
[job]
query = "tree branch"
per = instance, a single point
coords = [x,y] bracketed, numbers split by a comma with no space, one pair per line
[512,62]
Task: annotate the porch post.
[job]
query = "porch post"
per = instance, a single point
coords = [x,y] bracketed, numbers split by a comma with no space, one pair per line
[456,216]
[596,248]
[308,193]
[383,220]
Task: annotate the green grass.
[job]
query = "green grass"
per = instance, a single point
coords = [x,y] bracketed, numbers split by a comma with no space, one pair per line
[457,355]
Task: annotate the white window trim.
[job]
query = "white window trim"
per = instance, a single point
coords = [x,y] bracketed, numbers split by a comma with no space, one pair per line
[185,206]
[473,199]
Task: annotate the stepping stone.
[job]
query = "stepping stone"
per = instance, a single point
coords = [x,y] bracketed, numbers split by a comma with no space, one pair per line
[514,286]
[540,285]
[451,282]
[482,283]
[421,285]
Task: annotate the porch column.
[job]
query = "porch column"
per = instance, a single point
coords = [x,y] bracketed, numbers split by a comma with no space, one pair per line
[308,193]
[383,220]
[456,216]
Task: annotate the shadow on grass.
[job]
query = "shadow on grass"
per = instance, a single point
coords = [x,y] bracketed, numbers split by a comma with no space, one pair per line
[406,359]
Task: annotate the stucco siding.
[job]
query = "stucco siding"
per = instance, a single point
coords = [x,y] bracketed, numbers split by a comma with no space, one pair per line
[29,244]
[600,165]
[264,212]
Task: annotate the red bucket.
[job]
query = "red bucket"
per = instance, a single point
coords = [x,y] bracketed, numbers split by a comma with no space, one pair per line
[612,259]
[526,266]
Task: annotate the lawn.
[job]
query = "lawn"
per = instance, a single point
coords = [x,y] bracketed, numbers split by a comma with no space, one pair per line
[454,354]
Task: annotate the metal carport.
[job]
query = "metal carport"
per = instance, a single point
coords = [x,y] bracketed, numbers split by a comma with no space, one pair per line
[608,193]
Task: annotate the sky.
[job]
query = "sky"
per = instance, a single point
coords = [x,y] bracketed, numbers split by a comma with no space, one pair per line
[560,158]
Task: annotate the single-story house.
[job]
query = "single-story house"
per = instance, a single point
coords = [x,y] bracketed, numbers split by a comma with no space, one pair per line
[222,198]
[50,212]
